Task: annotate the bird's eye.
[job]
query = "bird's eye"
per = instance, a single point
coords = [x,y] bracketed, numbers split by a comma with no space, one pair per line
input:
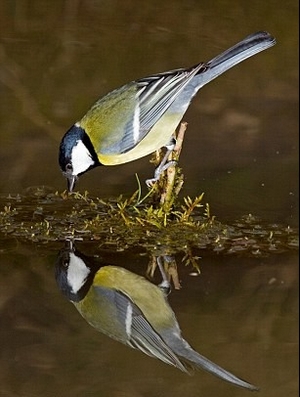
[69,167]
[65,263]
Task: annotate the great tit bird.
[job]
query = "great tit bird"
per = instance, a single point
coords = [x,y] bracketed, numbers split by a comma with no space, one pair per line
[140,117]
[130,309]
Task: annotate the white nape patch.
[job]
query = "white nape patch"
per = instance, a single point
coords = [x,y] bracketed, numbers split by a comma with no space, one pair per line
[136,124]
[81,158]
[128,320]
[77,273]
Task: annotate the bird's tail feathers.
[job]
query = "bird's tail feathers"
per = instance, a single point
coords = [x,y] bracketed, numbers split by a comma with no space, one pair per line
[246,48]
[195,360]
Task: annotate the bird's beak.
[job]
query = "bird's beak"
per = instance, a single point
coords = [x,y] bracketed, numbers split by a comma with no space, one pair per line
[69,244]
[71,180]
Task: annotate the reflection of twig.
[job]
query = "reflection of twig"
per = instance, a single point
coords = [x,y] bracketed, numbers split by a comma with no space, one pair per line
[10,76]
[169,266]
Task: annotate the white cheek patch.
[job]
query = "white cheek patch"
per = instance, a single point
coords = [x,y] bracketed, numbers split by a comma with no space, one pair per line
[81,158]
[77,273]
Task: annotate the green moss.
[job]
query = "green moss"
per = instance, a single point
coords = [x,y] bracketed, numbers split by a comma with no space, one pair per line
[159,223]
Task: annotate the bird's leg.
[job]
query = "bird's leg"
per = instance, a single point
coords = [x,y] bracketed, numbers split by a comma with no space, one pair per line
[165,284]
[164,164]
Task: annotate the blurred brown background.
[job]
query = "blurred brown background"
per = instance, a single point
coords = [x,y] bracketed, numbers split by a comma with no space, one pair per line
[241,149]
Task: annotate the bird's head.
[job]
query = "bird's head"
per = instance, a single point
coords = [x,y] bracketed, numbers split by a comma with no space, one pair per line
[76,154]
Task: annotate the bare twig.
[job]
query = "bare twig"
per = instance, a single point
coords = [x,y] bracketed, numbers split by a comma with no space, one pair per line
[174,180]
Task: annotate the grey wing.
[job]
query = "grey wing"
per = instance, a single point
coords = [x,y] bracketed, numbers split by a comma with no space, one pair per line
[158,92]
[140,333]
[154,95]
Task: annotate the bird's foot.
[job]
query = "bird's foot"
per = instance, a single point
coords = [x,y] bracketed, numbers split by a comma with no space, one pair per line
[158,171]
[165,285]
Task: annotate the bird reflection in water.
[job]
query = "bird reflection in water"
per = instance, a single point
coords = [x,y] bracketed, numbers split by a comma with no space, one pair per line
[130,309]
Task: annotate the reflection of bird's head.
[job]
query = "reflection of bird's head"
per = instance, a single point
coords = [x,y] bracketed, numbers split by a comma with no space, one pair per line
[74,272]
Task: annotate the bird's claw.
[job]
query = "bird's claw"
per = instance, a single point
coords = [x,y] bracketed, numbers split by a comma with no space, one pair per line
[158,171]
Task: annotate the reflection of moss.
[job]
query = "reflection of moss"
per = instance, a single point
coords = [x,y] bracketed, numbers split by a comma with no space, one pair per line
[158,222]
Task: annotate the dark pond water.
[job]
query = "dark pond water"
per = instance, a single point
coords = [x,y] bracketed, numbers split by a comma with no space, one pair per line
[241,313]
[241,150]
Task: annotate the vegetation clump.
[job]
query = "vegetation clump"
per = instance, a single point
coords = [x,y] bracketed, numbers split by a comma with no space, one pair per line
[159,222]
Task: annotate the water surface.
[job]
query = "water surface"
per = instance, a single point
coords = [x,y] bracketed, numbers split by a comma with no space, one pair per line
[241,150]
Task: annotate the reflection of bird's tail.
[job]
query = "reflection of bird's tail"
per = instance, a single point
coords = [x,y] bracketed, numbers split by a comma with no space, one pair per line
[246,48]
[191,357]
